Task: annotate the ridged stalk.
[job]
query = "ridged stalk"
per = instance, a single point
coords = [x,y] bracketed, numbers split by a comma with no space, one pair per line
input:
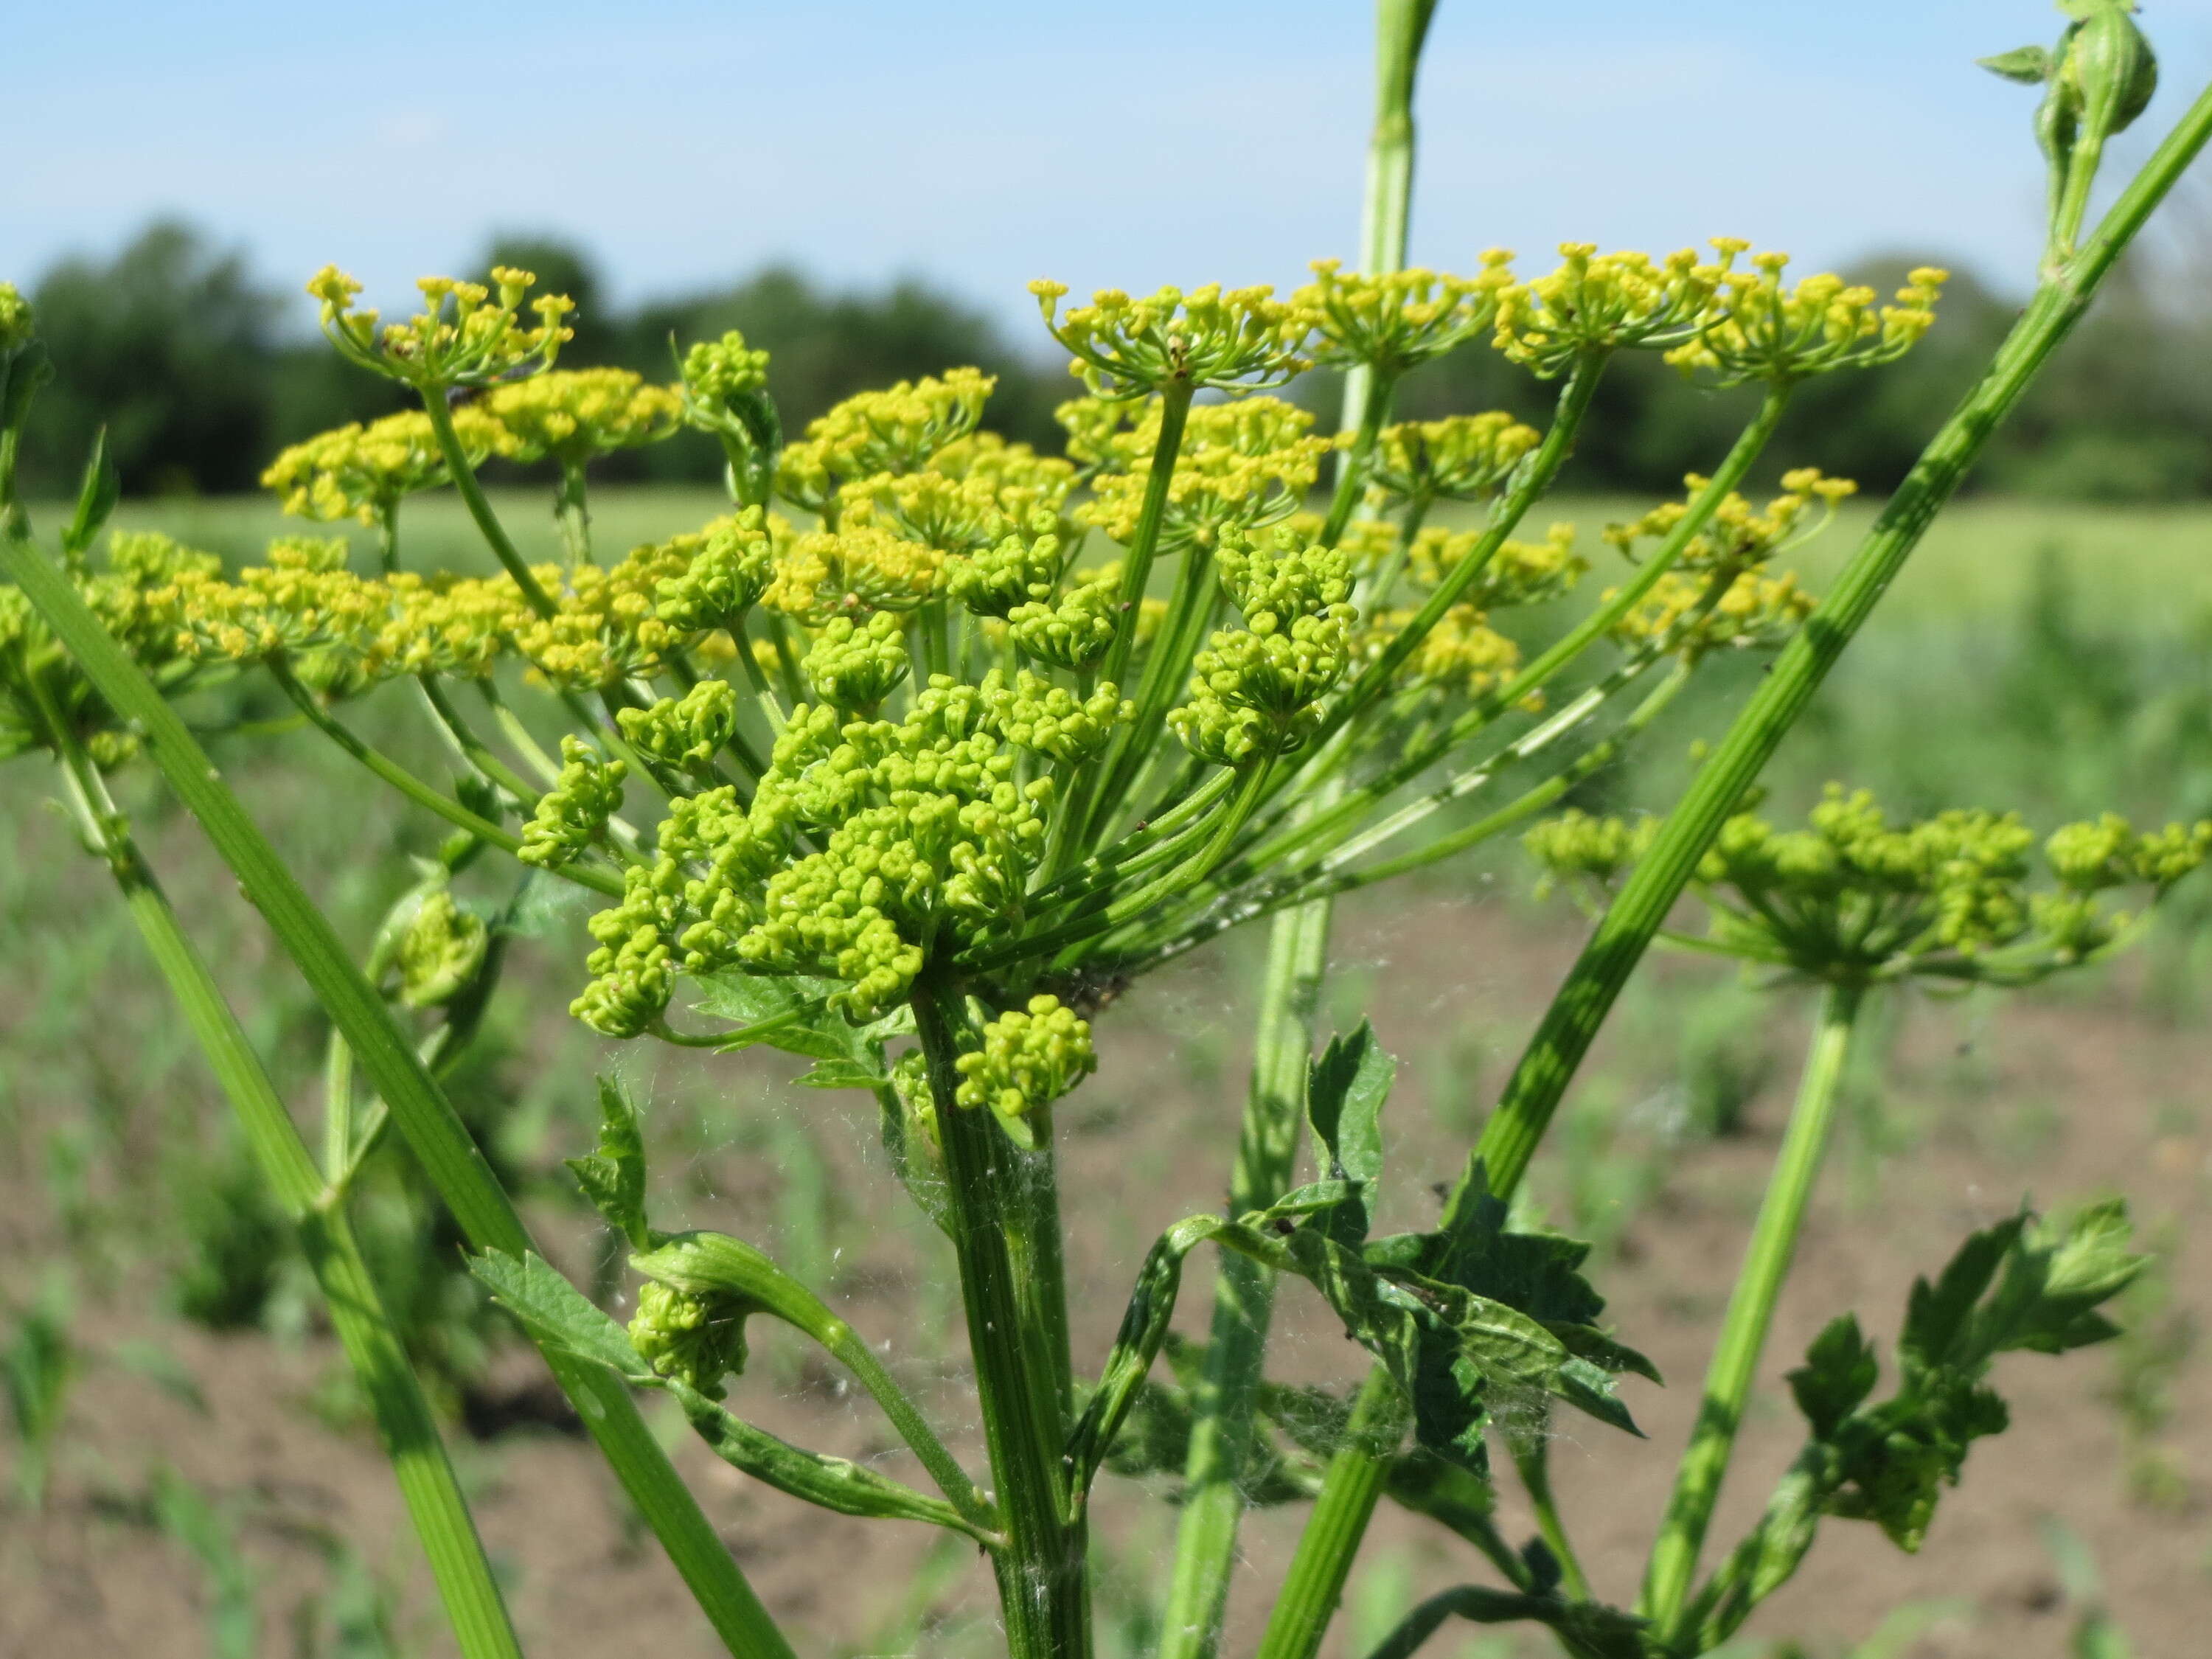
[1244,1291]
[1043,1586]
[1750,1311]
[1298,959]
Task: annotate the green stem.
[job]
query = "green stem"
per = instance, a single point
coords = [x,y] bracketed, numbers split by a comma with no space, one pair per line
[1374,390]
[572,513]
[472,497]
[1244,1291]
[405,1423]
[1356,1478]
[472,748]
[419,1107]
[422,794]
[1750,1312]
[1137,561]
[1532,1458]
[1539,470]
[1044,1588]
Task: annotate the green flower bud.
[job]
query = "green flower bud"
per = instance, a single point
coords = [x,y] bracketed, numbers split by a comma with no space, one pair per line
[685,732]
[856,666]
[696,1339]
[1028,1061]
[441,946]
[575,811]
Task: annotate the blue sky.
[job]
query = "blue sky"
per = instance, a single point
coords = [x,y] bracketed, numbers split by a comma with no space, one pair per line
[982,143]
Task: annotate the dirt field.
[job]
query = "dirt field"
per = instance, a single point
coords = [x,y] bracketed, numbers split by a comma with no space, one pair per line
[2062,1097]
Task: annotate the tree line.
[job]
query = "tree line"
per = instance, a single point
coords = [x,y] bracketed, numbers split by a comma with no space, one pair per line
[201,372]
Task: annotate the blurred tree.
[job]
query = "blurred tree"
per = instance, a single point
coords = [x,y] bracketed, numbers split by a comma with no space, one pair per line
[169,345]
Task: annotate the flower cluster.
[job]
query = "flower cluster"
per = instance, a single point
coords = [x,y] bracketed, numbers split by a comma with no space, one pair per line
[869,847]
[696,1339]
[575,813]
[1255,691]
[1029,1057]
[1761,331]
[897,430]
[1399,319]
[1599,303]
[571,416]
[1243,340]
[466,334]
[1855,897]
[364,472]
[1461,458]
[1241,466]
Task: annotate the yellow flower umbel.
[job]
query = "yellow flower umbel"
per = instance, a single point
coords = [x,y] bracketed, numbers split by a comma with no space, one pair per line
[575,415]
[1761,331]
[364,472]
[1596,303]
[1242,466]
[466,334]
[895,431]
[572,417]
[1853,898]
[1244,340]
[1400,319]
[1462,458]
[1718,594]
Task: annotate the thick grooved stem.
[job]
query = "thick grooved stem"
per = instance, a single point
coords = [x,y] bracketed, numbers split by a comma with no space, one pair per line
[1043,1587]
[1354,1483]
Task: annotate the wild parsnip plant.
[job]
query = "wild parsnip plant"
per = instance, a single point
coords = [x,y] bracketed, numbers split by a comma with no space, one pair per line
[915,760]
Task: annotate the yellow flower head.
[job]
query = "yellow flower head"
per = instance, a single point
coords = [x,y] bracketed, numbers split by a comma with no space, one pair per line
[1402,319]
[466,333]
[364,472]
[573,415]
[1518,573]
[895,431]
[1759,330]
[1600,302]
[1243,340]
[1740,536]
[826,573]
[1241,466]
[1462,458]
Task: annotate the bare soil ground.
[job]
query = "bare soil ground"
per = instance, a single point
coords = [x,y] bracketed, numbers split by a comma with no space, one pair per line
[2060,1097]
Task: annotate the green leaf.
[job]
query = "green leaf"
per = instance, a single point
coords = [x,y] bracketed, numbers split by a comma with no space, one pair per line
[96,496]
[2028,66]
[842,1074]
[831,1483]
[613,1177]
[555,1312]
[1344,1093]
[1838,1373]
[793,1010]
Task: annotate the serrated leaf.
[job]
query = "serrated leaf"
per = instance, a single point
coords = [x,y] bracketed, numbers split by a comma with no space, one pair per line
[2028,66]
[787,1011]
[1838,1373]
[1938,1314]
[613,1177]
[556,1311]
